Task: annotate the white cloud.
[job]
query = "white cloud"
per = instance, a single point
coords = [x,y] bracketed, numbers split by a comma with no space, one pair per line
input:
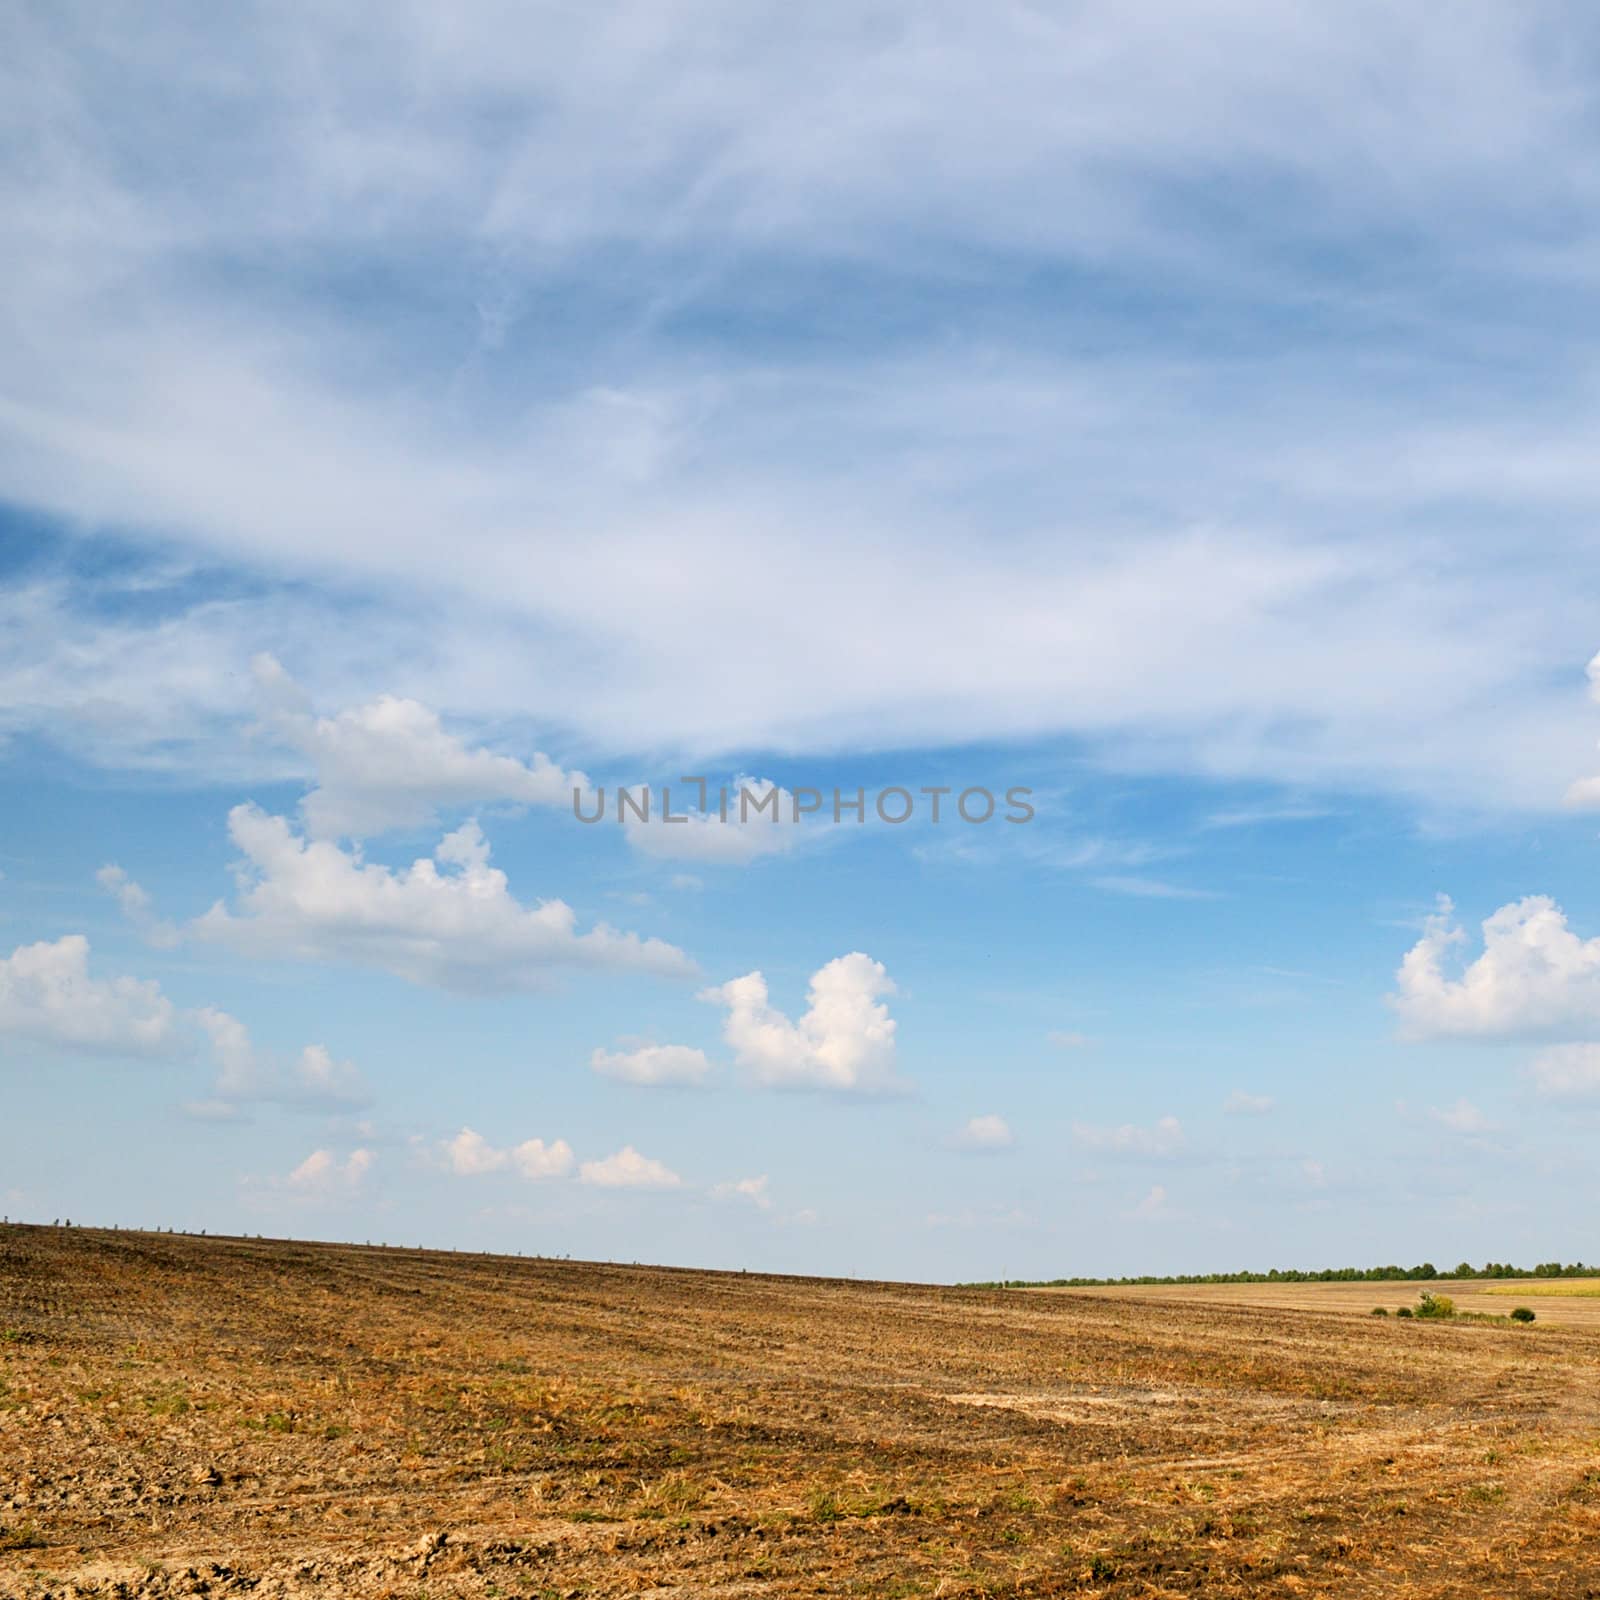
[1064,1040]
[1242,1104]
[1149,888]
[627,1169]
[1534,976]
[1567,1072]
[1153,1208]
[1584,793]
[136,906]
[391,764]
[844,1041]
[742,819]
[535,1160]
[752,1190]
[871,517]
[1462,1117]
[323,1176]
[47,995]
[652,1064]
[988,1132]
[1160,1142]
[455,928]
[313,1081]
[470,1155]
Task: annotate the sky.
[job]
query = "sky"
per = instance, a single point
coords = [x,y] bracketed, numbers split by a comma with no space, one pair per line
[419,425]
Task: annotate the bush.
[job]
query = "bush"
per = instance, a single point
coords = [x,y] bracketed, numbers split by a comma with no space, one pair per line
[1435,1305]
[1522,1314]
[1405,1311]
[1380,1311]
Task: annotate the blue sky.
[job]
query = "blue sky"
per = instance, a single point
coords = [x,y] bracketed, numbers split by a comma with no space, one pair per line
[404,424]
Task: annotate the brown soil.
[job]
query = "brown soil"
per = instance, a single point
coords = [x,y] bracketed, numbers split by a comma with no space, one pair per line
[229,1417]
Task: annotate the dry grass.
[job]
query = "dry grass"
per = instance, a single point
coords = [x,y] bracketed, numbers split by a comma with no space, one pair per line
[1575,1301]
[185,1415]
[1550,1288]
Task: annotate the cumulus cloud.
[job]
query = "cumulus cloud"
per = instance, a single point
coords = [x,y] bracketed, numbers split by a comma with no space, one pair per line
[449,921]
[392,764]
[1567,1072]
[136,906]
[470,1155]
[323,1176]
[753,1191]
[627,1169]
[652,1064]
[1157,1143]
[1584,793]
[844,1041]
[1242,1104]
[750,817]
[312,1081]
[48,995]
[988,1132]
[1533,976]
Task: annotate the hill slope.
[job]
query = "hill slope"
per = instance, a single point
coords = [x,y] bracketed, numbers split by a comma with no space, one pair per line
[183,1415]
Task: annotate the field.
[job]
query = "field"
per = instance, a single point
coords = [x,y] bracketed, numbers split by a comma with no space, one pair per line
[1565,1302]
[226,1417]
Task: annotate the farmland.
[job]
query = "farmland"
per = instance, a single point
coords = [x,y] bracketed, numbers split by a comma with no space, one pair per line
[184,1415]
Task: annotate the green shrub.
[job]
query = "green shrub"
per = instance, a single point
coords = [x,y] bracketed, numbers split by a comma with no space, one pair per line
[1405,1311]
[1522,1314]
[1430,1304]
[1380,1311]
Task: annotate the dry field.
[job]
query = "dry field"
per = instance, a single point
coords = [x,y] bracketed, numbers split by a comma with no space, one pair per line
[1568,1302]
[231,1417]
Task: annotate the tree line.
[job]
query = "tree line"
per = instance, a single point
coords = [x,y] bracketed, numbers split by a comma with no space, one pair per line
[1424,1271]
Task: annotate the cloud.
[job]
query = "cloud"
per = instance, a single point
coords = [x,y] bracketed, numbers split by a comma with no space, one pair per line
[627,1169]
[844,1041]
[391,764]
[470,1155]
[449,922]
[1153,1208]
[1584,793]
[987,1132]
[1161,1142]
[314,1081]
[48,996]
[136,906]
[322,1176]
[760,820]
[1463,1117]
[1241,1104]
[417,495]
[1534,976]
[1257,816]
[1069,1041]
[652,1064]
[750,1190]
[1567,1072]
[1149,888]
